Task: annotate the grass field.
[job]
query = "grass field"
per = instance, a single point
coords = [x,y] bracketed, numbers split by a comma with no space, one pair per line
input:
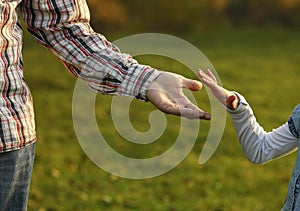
[263,65]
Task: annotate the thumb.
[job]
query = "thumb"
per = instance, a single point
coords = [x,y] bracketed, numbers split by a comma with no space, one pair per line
[192,85]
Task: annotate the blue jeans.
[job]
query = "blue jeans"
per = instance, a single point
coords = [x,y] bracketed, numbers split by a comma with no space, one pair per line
[15,175]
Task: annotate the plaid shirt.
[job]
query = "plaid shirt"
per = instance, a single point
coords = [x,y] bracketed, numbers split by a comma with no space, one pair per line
[63,27]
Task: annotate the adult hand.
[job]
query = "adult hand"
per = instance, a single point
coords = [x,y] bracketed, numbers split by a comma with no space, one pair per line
[166,93]
[227,98]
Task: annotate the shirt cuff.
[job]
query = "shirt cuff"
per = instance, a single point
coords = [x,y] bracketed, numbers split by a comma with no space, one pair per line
[137,81]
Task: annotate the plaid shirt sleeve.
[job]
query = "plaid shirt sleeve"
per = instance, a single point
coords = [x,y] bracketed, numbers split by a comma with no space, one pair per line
[63,27]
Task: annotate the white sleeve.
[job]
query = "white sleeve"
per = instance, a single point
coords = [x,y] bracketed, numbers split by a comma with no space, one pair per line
[258,145]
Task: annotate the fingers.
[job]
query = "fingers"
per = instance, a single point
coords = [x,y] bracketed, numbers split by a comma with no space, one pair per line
[201,74]
[211,75]
[178,105]
[194,114]
[205,78]
[185,109]
[193,111]
[190,113]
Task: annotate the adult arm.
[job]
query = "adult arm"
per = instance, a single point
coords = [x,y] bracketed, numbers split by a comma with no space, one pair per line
[64,28]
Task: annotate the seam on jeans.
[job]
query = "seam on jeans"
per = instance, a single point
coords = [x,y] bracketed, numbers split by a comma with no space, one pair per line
[293,128]
[295,191]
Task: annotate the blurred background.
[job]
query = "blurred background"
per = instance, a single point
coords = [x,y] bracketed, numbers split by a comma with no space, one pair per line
[253,45]
[192,15]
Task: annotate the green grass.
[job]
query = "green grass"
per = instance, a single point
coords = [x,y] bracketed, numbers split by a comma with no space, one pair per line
[262,65]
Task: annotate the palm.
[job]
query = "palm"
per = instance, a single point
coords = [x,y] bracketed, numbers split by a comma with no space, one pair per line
[167,95]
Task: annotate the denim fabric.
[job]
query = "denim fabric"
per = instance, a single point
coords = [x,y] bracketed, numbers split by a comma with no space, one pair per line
[293,128]
[15,175]
[294,121]
[292,202]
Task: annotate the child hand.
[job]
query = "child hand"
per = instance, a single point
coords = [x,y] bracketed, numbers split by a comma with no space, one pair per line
[227,98]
